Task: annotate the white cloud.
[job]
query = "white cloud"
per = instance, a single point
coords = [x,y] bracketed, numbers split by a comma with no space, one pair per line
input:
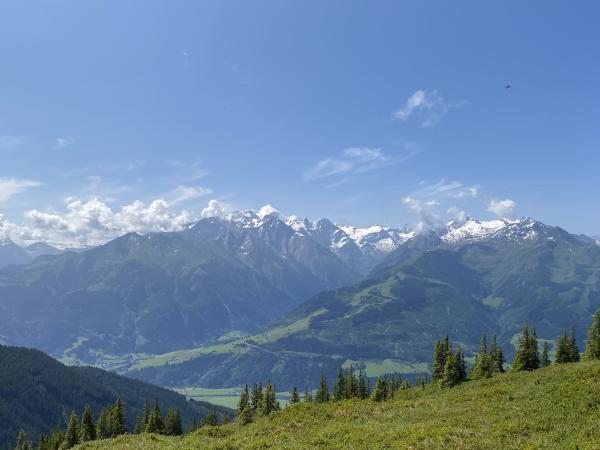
[425,213]
[446,189]
[503,209]
[356,160]
[9,142]
[93,222]
[185,193]
[457,215]
[13,186]
[428,105]
[267,210]
[62,142]
[216,208]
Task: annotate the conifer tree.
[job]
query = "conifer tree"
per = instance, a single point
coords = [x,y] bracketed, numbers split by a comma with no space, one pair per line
[56,438]
[452,375]
[380,389]
[322,395]
[226,419]
[43,443]
[351,386]
[527,354]
[245,415]
[211,419]
[339,388]
[256,395]
[142,421]
[499,361]
[88,430]
[440,354]
[363,385]
[545,358]
[592,345]
[103,425]
[173,425]
[533,355]
[155,420]
[461,365]
[244,402]
[483,367]
[23,442]
[563,349]
[295,398]
[269,403]
[573,349]
[73,432]
[117,418]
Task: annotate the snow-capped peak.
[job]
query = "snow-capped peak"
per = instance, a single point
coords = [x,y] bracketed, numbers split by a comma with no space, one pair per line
[471,229]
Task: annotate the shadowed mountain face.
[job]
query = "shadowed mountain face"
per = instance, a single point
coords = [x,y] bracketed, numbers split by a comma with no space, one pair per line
[37,392]
[489,283]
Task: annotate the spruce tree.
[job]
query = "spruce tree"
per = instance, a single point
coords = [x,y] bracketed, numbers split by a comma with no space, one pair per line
[43,443]
[545,358]
[211,419]
[155,420]
[483,367]
[103,425]
[256,395]
[268,403]
[322,395]
[88,430]
[380,389]
[73,432]
[592,345]
[295,398]
[563,349]
[23,442]
[173,425]
[573,349]
[440,354]
[533,354]
[117,418]
[452,375]
[339,388]
[351,386]
[527,354]
[245,415]
[244,402]
[226,419]
[142,420]
[462,367]
[363,385]
[56,438]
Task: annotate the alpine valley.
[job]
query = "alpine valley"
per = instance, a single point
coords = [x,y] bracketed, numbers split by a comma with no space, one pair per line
[248,297]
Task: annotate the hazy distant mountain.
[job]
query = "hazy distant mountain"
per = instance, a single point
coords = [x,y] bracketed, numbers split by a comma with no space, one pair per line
[461,280]
[11,253]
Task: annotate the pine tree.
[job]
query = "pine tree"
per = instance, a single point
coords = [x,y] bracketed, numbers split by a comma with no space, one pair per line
[440,354]
[225,418]
[88,430]
[339,388]
[351,386]
[268,403]
[380,389]
[545,358]
[363,385]
[573,349]
[43,443]
[533,354]
[499,361]
[244,402]
[245,415]
[322,395]
[103,425]
[592,345]
[73,432]
[462,367]
[155,420]
[117,418]
[56,438]
[563,349]
[211,419]
[484,363]
[295,398]
[308,397]
[173,425]
[142,420]
[527,354]
[23,442]
[452,375]
[256,395]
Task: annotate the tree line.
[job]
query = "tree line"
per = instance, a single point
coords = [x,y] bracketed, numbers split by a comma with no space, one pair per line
[111,423]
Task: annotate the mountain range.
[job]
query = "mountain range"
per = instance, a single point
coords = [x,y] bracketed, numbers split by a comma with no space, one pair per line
[11,253]
[250,296]
[464,280]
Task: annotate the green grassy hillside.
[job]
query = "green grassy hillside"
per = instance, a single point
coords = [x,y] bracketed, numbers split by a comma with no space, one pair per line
[553,408]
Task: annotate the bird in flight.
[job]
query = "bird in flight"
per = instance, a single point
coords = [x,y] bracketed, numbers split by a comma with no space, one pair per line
[507,87]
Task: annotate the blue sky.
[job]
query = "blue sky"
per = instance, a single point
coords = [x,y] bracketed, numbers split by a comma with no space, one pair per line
[364,112]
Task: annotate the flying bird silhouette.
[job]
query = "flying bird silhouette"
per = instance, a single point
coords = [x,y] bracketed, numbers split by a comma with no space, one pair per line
[507,87]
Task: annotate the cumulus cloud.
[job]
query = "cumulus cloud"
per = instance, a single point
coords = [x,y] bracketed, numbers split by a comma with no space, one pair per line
[503,209]
[267,210]
[356,160]
[425,213]
[93,222]
[216,208]
[13,186]
[428,105]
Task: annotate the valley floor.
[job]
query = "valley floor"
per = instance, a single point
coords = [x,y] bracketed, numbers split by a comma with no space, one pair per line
[553,408]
